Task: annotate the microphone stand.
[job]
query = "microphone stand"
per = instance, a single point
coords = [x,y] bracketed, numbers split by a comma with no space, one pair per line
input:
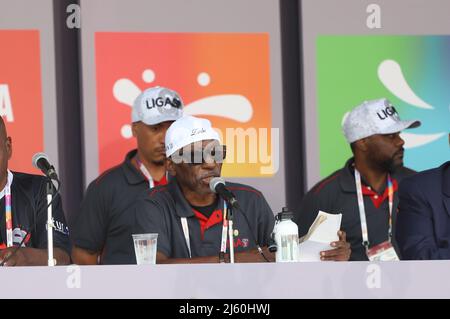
[230,232]
[50,224]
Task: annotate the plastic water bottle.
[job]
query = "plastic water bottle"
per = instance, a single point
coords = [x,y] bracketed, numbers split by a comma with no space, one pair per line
[286,237]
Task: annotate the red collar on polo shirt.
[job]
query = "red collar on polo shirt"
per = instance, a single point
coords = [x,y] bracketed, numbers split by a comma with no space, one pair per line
[162,181]
[205,223]
[377,199]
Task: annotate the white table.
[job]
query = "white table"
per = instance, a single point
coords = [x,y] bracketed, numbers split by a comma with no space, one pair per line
[405,279]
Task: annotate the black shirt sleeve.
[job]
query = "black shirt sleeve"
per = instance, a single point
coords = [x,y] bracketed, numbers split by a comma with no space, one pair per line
[307,213]
[266,222]
[89,226]
[150,218]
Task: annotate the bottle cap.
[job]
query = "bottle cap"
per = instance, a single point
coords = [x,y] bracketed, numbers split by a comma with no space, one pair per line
[285,214]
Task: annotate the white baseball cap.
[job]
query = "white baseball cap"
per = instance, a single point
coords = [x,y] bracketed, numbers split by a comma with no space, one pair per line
[188,130]
[373,117]
[156,105]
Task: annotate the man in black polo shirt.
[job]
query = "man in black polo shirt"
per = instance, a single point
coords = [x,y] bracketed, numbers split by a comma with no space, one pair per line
[101,230]
[188,216]
[24,202]
[365,190]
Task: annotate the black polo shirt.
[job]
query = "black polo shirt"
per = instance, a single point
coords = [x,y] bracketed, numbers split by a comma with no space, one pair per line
[29,214]
[102,225]
[337,194]
[161,209]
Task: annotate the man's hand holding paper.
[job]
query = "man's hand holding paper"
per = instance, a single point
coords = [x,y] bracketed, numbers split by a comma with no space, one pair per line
[324,241]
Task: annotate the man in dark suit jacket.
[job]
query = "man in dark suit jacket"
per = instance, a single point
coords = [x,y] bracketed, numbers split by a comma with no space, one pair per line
[423,221]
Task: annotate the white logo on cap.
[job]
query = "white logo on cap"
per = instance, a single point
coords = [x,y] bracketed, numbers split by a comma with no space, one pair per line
[387,112]
[197,131]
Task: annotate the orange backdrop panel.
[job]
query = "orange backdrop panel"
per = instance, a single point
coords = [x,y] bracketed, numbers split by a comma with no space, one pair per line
[236,64]
[20,81]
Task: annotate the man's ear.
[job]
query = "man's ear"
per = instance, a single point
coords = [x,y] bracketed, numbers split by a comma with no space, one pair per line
[170,166]
[9,147]
[361,145]
[134,128]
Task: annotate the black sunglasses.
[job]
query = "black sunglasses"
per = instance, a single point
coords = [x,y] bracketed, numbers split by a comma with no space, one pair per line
[216,153]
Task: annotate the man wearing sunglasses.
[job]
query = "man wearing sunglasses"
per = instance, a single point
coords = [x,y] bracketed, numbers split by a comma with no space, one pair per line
[101,230]
[188,216]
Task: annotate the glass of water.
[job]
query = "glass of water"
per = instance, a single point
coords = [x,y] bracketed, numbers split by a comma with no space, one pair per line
[145,248]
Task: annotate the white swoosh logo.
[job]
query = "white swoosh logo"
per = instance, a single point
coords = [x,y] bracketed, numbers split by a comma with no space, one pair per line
[391,75]
[232,106]
[416,140]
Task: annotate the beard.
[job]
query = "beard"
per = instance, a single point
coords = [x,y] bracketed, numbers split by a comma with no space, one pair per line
[389,165]
[392,164]
[157,158]
[159,162]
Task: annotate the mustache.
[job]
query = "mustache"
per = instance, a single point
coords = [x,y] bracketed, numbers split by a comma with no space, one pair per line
[210,174]
[400,151]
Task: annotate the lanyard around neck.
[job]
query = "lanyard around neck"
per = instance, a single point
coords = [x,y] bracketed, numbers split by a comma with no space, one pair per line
[146,173]
[8,211]
[223,241]
[362,211]
[185,227]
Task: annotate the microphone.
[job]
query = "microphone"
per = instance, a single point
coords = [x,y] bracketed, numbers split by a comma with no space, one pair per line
[41,162]
[217,185]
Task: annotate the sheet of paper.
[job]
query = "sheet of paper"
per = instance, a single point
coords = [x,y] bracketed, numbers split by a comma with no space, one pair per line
[310,250]
[322,232]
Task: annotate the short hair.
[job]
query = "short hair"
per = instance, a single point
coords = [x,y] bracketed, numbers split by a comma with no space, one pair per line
[353,147]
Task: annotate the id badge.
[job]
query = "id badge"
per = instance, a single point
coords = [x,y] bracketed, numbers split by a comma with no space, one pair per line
[382,252]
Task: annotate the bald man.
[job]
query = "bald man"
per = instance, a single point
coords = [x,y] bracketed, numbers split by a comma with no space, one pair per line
[23,199]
